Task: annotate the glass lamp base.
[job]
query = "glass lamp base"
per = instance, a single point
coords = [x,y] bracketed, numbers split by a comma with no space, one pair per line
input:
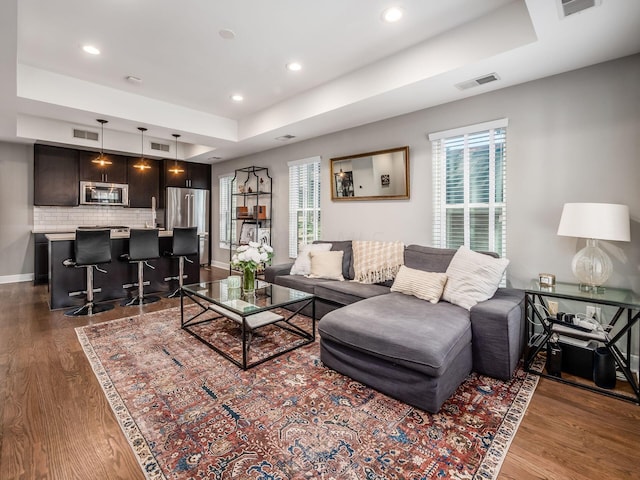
[591,265]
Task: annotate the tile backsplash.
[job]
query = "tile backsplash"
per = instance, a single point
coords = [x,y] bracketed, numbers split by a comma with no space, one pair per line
[59,219]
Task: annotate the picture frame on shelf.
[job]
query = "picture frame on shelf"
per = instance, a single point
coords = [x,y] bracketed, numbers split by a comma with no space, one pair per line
[248,232]
[264,236]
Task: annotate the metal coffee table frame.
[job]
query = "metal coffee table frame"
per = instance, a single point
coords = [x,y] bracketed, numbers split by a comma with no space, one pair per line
[206,303]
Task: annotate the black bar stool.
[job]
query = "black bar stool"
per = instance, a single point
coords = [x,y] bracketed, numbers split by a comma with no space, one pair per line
[185,242]
[143,246]
[91,248]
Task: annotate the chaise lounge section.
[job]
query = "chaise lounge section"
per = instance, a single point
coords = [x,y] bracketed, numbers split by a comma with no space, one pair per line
[407,347]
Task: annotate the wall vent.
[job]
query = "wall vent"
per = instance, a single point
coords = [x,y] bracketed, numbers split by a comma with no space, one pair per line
[285,138]
[161,147]
[86,134]
[476,82]
[569,7]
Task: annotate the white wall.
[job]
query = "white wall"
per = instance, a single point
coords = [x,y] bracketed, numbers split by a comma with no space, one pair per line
[16,212]
[574,137]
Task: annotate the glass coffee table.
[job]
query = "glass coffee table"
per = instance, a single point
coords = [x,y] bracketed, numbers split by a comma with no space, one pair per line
[226,318]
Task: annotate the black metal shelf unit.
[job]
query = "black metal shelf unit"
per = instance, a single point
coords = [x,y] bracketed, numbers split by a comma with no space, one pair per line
[251,207]
[611,336]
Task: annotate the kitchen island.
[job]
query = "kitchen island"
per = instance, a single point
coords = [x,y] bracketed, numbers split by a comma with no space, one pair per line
[66,285]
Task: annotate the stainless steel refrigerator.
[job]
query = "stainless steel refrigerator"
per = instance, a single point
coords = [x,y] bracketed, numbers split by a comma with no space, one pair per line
[189,207]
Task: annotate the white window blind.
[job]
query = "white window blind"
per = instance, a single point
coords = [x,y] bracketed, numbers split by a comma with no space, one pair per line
[469,176]
[227,234]
[304,203]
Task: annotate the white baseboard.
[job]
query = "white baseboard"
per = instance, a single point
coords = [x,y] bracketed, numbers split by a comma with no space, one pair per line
[634,364]
[220,264]
[23,277]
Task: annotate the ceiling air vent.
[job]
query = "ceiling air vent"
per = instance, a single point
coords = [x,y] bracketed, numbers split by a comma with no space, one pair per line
[161,147]
[569,7]
[285,138]
[85,134]
[476,82]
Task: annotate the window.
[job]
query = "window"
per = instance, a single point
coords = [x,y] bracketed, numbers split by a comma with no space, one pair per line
[304,203]
[469,180]
[226,236]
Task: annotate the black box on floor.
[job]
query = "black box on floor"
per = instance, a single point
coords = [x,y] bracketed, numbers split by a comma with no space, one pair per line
[576,359]
[554,359]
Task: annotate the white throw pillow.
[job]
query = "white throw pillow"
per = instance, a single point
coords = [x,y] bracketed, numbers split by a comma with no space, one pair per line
[326,265]
[421,284]
[302,265]
[472,277]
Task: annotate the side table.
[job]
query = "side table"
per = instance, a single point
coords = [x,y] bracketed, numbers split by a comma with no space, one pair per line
[627,316]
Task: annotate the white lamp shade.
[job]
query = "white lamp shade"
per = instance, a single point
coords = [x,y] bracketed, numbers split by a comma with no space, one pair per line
[602,221]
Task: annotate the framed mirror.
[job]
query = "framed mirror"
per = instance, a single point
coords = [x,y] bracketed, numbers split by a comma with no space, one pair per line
[381,175]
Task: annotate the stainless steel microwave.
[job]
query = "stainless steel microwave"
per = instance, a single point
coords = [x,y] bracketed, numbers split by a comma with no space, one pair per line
[94,193]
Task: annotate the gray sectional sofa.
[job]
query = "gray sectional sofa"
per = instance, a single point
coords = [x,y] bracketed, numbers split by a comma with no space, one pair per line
[405,347]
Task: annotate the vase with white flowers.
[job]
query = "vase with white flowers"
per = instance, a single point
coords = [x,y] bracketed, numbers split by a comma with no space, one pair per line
[247,259]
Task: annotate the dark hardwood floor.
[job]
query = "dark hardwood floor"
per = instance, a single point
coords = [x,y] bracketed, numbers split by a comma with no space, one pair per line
[57,424]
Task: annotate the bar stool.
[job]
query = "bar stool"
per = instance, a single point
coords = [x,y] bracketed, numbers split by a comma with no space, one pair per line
[143,246]
[185,242]
[91,248]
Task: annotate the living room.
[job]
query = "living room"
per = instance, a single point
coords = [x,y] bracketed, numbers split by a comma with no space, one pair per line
[572,136]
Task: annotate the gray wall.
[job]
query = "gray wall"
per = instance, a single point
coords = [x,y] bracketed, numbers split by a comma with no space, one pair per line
[573,137]
[16,211]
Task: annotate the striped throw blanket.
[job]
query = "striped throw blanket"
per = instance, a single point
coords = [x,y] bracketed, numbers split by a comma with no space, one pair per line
[376,262]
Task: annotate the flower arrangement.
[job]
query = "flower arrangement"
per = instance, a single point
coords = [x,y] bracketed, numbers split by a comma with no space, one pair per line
[251,256]
[248,258]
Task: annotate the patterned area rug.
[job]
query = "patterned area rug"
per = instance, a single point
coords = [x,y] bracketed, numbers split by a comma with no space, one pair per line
[190,414]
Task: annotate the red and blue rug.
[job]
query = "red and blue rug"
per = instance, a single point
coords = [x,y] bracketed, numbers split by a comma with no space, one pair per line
[190,414]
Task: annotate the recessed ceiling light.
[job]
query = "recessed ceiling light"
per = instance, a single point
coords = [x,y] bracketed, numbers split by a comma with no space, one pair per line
[294,66]
[227,34]
[237,97]
[392,14]
[91,49]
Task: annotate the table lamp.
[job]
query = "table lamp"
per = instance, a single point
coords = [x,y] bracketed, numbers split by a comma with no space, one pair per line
[594,221]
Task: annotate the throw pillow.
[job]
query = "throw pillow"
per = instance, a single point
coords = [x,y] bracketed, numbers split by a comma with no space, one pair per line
[347,258]
[326,265]
[472,277]
[421,284]
[302,265]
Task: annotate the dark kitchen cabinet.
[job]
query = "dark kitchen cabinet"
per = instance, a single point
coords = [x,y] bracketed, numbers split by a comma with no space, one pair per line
[200,176]
[143,184]
[94,172]
[173,179]
[194,175]
[41,259]
[55,176]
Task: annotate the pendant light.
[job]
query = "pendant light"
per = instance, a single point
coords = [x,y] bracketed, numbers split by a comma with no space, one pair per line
[176,168]
[142,165]
[101,159]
